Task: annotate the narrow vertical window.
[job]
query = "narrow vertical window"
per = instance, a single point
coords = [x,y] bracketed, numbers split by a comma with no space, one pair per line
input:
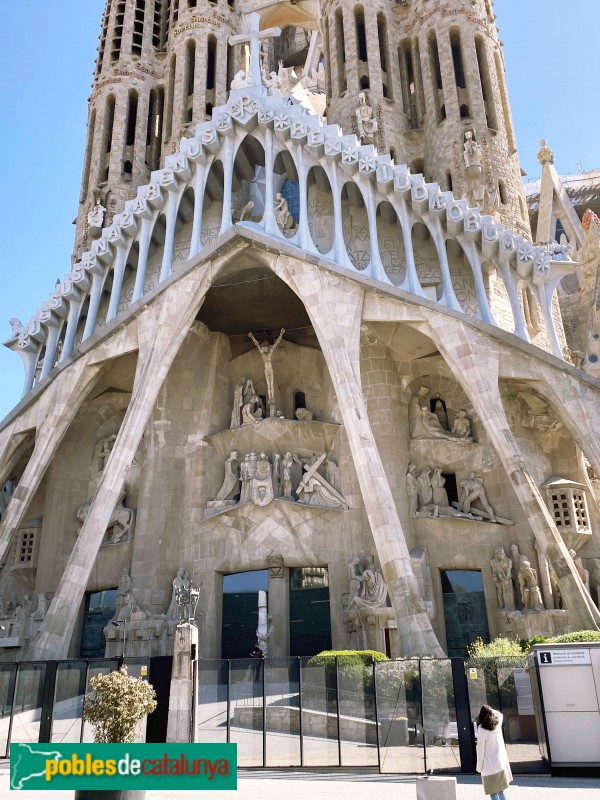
[189,81]
[384,56]
[327,42]
[457,60]
[88,156]
[137,36]
[486,86]
[175,11]
[211,63]
[107,137]
[129,146]
[408,84]
[361,47]
[230,66]
[118,32]
[170,99]
[418,82]
[503,193]
[340,50]
[436,76]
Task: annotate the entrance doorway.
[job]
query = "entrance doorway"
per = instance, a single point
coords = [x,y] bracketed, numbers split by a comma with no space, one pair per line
[464,610]
[310,618]
[240,611]
[100,608]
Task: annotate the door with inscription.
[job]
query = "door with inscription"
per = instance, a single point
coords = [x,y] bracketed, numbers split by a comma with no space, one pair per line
[465,613]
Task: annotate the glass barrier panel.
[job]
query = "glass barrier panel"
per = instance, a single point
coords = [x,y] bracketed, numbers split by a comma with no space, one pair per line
[95,668]
[282,697]
[27,710]
[440,729]
[8,676]
[69,691]
[246,710]
[399,714]
[519,728]
[358,731]
[211,703]
[319,714]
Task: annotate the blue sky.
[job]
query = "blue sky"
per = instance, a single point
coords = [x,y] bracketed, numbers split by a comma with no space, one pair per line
[46,66]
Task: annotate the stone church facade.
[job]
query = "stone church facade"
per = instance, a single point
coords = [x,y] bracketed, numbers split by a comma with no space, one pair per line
[306,348]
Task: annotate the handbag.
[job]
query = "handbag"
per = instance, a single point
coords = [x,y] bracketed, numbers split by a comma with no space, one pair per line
[498,782]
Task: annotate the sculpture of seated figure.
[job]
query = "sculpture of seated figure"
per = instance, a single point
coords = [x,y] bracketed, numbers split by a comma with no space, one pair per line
[462,425]
[367,126]
[252,410]
[428,426]
[373,591]
[282,213]
[303,415]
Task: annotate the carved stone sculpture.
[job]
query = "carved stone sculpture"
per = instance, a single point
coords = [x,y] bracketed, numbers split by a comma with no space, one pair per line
[123,590]
[252,411]
[266,351]
[581,570]
[120,524]
[441,414]
[102,451]
[303,415]
[282,213]
[462,425]
[595,579]
[366,124]
[440,496]
[96,214]
[502,572]
[6,493]
[353,579]
[181,582]
[424,487]
[240,81]
[315,490]
[427,426]
[243,393]
[286,476]
[473,489]
[261,485]
[40,612]
[472,153]
[373,591]
[230,486]
[273,84]
[16,327]
[412,491]
[247,471]
[545,154]
[530,591]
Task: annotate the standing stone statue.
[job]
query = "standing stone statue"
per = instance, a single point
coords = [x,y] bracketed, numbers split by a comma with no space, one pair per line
[181,582]
[230,486]
[286,473]
[582,571]
[424,487]
[266,352]
[40,612]
[354,579]
[502,572]
[473,489]
[238,403]
[282,213]
[441,414]
[472,152]
[440,495]
[414,408]
[412,491]
[367,126]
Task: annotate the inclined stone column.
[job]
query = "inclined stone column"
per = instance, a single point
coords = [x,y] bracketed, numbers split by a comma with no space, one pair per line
[474,359]
[335,309]
[162,328]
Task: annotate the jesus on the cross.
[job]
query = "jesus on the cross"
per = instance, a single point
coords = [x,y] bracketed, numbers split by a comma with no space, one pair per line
[253,37]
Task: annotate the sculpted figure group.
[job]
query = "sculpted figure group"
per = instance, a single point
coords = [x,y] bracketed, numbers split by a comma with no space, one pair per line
[427,424]
[516,581]
[310,481]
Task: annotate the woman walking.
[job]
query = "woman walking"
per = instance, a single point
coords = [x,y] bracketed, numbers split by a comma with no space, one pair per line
[492,758]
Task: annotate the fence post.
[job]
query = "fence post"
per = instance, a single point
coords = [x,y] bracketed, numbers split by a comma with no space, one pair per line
[48,701]
[466,734]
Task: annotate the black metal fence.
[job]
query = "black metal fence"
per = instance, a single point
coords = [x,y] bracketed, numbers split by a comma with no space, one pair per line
[405,716]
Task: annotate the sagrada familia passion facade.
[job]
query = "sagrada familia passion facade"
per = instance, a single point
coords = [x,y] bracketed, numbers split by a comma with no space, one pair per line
[310,362]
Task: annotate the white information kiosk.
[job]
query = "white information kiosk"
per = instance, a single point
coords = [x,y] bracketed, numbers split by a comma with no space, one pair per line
[566,683]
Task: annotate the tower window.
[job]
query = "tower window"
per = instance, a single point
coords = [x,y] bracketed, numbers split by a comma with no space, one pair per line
[88,156]
[211,65]
[457,60]
[503,193]
[361,47]
[384,58]
[103,35]
[137,37]
[436,73]
[340,50]
[486,87]
[118,32]
[107,136]
[170,99]
[128,151]
[190,78]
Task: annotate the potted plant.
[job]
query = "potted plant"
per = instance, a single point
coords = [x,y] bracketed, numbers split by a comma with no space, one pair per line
[117,704]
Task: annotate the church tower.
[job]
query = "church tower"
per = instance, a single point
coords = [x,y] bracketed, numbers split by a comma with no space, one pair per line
[162,65]
[434,76]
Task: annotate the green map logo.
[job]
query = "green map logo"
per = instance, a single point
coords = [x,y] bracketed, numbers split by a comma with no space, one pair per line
[123,766]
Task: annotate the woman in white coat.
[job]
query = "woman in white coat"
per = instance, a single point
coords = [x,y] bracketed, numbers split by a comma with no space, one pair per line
[492,758]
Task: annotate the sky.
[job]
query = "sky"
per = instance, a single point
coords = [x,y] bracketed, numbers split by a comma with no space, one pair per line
[46,66]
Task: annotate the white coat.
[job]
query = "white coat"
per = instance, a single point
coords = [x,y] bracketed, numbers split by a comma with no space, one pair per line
[491,750]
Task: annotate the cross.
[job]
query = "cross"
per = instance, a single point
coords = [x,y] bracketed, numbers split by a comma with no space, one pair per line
[253,37]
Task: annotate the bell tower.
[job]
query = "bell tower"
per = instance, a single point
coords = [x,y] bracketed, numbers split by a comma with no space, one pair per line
[162,65]
[433,74]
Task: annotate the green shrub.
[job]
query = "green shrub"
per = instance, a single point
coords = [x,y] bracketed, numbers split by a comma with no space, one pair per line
[116,705]
[346,658]
[527,644]
[500,647]
[576,636]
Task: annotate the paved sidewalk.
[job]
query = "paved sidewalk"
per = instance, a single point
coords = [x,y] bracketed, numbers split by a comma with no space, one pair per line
[345,785]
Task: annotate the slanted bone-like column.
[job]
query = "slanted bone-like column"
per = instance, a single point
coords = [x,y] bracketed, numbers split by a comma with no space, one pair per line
[161,331]
[335,308]
[474,359]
